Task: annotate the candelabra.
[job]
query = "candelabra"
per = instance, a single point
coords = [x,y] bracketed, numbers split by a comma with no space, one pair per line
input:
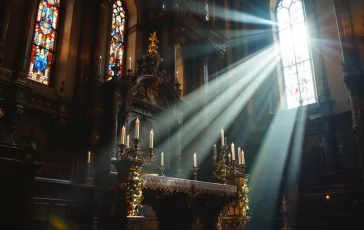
[223,169]
[134,154]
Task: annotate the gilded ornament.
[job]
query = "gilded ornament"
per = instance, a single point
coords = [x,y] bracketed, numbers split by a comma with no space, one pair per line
[2,113]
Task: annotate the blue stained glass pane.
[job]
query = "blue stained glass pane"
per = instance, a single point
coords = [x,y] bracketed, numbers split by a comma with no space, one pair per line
[44,39]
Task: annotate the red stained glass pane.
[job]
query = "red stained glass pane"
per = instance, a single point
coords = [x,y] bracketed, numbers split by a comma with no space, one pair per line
[44,38]
[117,38]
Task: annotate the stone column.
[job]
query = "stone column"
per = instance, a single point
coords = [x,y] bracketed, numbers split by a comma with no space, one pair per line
[5,12]
[353,73]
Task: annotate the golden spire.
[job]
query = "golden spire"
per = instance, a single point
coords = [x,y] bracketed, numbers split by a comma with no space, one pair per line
[153,41]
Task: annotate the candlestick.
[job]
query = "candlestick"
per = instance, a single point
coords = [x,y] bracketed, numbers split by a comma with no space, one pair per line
[232,151]
[122,138]
[222,137]
[162,158]
[137,128]
[151,139]
[162,170]
[194,172]
[242,157]
[239,156]
[100,66]
[194,160]
[129,62]
[89,157]
[127,141]
[214,151]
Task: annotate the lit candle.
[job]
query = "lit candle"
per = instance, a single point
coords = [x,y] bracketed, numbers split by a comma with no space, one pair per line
[127,141]
[222,137]
[232,151]
[239,155]
[177,74]
[242,157]
[122,139]
[162,158]
[129,62]
[195,160]
[89,157]
[151,135]
[214,150]
[137,128]
[100,66]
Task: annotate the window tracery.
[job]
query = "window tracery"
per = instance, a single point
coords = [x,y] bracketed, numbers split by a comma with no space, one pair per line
[295,52]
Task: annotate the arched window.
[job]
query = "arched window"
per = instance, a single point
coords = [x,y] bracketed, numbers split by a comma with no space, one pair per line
[43,48]
[117,38]
[296,58]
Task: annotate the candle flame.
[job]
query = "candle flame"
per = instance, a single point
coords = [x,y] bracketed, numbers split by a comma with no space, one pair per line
[100,57]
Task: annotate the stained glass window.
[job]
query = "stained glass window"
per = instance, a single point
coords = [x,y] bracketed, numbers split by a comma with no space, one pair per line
[117,38]
[43,46]
[295,52]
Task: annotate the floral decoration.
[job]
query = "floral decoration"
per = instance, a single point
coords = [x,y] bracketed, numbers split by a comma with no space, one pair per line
[134,195]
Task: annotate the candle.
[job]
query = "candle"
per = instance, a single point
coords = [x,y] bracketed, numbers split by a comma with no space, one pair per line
[242,157]
[127,141]
[222,137]
[100,66]
[137,128]
[162,158]
[239,155]
[89,157]
[215,150]
[151,135]
[177,74]
[195,160]
[122,139]
[129,62]
[232,151]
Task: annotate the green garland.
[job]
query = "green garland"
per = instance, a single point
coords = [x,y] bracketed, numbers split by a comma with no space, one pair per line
[134,194]
[244,201]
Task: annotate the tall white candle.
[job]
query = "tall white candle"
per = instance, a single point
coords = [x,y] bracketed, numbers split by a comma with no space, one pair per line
[89,157]
[242,157]
[194,160]
[122,138]
[233,151]
[127,141]
[162,158]
[222,137]
[151,135]
[239,155]
[129,62]
[137,128]
[214,150]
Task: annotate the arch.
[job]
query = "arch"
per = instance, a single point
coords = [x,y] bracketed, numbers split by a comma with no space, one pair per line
[44,41]
[117,38]
[297,75]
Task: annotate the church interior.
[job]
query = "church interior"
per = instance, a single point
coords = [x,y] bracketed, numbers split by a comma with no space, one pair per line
[182,114]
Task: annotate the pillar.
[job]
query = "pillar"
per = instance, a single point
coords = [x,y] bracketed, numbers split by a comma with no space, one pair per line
[5,12]
[353,73]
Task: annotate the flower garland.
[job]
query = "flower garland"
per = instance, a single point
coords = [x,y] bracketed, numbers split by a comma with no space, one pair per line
[134,195]
[243,197]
